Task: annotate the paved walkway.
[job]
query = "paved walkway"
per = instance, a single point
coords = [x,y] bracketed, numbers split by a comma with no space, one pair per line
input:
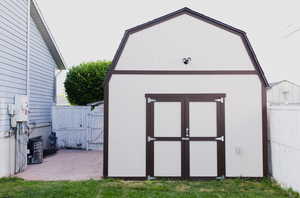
[66,165]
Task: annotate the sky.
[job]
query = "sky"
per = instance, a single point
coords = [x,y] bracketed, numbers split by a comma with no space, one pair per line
[88,30]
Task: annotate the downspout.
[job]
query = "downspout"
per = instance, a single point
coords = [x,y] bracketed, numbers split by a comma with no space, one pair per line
[28,50]
[27,87]
[17,130]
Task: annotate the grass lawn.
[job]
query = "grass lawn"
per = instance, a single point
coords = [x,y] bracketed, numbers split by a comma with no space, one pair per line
[229,188]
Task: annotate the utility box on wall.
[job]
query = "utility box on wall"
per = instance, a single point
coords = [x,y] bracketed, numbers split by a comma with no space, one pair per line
[18,111]
[21,108]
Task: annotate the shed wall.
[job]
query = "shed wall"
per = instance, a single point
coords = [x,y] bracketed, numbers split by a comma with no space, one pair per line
[162,47]
[127,121]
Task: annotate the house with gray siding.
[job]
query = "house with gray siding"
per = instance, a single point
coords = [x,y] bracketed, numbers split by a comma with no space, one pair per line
[29,59]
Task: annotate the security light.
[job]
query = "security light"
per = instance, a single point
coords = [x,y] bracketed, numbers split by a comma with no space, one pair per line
[186,60]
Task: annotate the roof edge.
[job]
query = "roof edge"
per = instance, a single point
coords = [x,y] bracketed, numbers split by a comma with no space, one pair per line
[39,20]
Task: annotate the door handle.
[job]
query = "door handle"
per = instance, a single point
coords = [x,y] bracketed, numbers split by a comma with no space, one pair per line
[187,132]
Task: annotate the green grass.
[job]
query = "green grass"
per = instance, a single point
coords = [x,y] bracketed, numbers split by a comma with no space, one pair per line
[229,188]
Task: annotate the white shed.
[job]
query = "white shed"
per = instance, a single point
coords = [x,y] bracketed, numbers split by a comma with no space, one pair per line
[185,98]
[284,93]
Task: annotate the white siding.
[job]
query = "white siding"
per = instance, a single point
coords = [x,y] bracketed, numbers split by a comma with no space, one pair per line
[284,145]
[42,69]
[127,121]
[13,66]
[162,47]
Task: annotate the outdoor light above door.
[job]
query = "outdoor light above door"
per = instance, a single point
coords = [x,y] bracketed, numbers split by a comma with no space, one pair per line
[186,60]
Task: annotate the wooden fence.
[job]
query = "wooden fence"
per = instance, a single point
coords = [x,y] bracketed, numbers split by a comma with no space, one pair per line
[284,147]
[78,126]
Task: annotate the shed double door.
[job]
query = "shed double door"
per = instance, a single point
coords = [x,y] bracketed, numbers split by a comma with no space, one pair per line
[185,135]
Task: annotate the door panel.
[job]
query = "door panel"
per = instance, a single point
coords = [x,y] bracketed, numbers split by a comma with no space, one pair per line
[167,119]
[203,119]
[167,159]
[203,159]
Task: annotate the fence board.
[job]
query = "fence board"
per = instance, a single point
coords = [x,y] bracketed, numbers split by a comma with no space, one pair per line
[284,136]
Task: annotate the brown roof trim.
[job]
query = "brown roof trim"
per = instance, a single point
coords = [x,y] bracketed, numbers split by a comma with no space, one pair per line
[182,11]
[255,60]
[186,72]
[197,15]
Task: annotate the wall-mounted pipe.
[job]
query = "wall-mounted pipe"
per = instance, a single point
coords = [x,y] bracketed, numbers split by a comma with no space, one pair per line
[28,50]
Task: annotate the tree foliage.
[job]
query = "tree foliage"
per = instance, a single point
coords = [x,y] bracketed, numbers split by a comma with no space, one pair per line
[84,82]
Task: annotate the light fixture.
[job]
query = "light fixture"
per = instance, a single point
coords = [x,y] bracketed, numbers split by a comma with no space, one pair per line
[186,60]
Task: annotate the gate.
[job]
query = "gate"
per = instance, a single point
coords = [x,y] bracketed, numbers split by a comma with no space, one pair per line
[95,129]
[78,127]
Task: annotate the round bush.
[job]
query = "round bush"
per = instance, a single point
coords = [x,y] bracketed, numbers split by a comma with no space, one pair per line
[84,82]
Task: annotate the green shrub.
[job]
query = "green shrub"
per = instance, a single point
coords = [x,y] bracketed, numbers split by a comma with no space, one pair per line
[84,82]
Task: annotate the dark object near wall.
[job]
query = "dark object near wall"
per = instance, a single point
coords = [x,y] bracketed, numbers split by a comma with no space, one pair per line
[52,141]
[35,146]
[52,148]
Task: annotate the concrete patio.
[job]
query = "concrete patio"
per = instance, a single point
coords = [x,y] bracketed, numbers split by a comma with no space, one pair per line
[66,165]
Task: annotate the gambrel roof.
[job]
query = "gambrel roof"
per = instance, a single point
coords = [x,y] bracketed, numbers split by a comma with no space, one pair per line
[199,16]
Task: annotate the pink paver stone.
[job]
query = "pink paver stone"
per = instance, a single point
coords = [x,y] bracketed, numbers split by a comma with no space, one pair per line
[70,165]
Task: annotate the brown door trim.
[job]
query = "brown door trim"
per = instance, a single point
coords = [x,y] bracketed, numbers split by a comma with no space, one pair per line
[265,132]
[221,132]
[105,135]
[184,99]
[186,144]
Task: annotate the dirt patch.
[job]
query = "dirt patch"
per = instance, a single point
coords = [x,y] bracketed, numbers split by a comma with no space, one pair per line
[182,188]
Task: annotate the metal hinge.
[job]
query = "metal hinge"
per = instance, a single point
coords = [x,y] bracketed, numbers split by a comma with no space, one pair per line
[151,139]
[221,100]
[221,177]
[149,100]
[150,178]
[220,138]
